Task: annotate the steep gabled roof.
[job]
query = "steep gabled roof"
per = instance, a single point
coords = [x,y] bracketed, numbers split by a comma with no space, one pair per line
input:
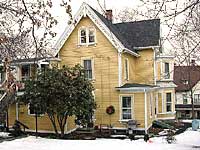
[186,77]
[135,34]
[124,36]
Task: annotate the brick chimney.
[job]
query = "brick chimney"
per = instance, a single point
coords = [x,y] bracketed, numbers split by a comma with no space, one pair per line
[109,15]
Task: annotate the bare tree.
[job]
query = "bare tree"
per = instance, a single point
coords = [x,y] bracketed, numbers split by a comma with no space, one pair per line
[26,28]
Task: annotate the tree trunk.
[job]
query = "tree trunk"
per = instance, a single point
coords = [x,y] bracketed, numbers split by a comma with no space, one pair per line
[193,114]
[192,102]
[53,122]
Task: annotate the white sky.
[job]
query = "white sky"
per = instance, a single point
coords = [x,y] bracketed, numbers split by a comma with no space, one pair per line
[115,5]
[62,17]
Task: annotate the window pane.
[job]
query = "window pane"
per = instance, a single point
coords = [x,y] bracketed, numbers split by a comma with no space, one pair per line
[167,74]
[168,97]
[126,108]
[126,113]
[83,33]
[169,107]
[83,36]
[91,36]
[25,72]
[126,102]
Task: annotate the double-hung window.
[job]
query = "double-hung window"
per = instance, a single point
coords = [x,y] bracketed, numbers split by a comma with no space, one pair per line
[184,98]
[87,35]
[83,38]
[25,72]
[87,64]
[167,73]
[126,107]
[168,102]
[196,98]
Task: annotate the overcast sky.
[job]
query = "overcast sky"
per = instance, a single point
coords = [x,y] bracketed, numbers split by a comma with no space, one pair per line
[115,5]
[62,17]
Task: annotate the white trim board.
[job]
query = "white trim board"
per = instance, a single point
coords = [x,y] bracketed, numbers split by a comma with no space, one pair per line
[84,11]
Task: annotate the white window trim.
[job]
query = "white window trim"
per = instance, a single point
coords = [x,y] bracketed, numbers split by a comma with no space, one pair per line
[132,108]
[32,114]
[87,36]
[92,61]
[126,77]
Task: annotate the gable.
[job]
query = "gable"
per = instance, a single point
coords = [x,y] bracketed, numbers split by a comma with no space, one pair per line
[84,11]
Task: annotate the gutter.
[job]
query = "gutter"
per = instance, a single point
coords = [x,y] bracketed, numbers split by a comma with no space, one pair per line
[131,52]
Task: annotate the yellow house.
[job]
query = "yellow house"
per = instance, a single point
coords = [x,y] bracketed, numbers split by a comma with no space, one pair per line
[124,62]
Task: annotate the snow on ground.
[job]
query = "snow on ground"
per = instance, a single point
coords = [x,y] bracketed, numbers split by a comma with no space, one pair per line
[185,141]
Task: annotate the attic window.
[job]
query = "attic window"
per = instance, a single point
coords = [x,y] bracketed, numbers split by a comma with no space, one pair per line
[87,36]
[83,36]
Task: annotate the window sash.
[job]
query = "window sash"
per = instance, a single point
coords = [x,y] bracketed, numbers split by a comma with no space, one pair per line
[184,98]
[126,107]
[87,36]
[168,102]
[25,72]
[167,74]
[91,35]
[196,98]
[83,39]
[87,64]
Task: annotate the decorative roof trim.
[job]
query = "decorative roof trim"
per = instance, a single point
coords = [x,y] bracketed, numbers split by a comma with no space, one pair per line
[86,10]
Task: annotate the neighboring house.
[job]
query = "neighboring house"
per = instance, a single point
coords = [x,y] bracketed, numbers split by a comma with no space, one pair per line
[187,79]
[125,64]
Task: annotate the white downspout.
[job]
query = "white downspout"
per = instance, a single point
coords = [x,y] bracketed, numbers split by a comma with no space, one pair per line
[119,69]
[145,111]
[17,111]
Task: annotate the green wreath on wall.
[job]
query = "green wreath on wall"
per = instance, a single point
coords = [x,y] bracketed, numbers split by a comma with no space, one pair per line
[110,110]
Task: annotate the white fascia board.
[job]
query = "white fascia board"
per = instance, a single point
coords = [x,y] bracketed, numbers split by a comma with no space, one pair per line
[165,56]
[146,47]
[83,11]
[69,29]
[131,52]
[137,89]
[110,36]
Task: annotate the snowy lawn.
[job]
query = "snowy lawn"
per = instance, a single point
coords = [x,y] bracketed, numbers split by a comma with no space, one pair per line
[184,141]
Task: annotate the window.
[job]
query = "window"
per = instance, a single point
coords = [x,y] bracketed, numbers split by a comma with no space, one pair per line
[126,69]
[196,98]
[87,36]
[184,98]
[83,36]
[32,110]
[91,35]
[169,102]
[87,64]
[126,108]
[25,72]
[167,74]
